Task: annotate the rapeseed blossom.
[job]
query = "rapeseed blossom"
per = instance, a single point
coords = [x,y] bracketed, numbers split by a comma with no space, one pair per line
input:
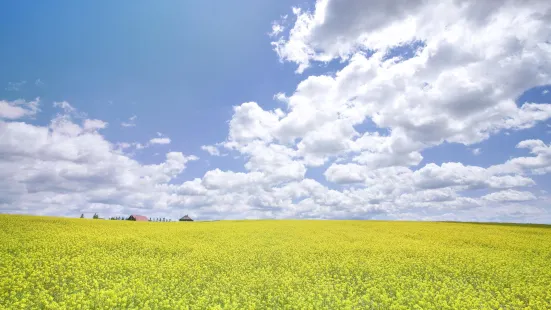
[55,263]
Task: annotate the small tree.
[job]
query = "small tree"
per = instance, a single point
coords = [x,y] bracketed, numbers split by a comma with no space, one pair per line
[95,217]
[82,216]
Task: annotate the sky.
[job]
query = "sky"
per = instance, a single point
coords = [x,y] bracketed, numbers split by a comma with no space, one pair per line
[356,109]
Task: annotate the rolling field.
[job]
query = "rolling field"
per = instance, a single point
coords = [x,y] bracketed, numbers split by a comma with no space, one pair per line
[56,263]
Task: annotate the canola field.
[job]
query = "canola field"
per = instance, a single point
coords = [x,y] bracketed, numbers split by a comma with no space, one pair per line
[57,263]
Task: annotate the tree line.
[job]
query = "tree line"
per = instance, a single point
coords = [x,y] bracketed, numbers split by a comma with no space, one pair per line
[122,218]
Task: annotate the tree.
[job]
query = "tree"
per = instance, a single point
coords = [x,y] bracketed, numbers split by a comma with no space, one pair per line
[82,216]
[95,217]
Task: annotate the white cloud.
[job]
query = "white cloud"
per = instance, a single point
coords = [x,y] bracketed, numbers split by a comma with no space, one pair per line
[160,141]
[65,169]
[456,174]
[17,109]
[338,29]
[211,149]
[127,146]
[538,164]
[345,174]
[510,196]
[250,122]
[452,89]
[65,106]
[94,124]
[277,28]
[131,122]
[431,176]
[124,145]
[281,97]
[546,91]
[476,151]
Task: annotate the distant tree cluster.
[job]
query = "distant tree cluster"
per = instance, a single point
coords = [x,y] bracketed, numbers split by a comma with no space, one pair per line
[160,219]
[122,218]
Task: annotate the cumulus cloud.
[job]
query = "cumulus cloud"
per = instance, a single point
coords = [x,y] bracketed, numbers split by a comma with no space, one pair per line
[338,29]
[64,168]
[12,110]
[450,89]
[448,175]
[211,149]
[94,124]
[509,196]
[538,164]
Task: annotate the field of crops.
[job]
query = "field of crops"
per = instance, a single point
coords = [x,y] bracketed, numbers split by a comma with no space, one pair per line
[56,263]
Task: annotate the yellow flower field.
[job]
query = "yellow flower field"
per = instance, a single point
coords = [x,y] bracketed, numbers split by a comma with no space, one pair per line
[57,263]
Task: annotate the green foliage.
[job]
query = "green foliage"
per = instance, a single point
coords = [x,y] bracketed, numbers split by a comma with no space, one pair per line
[55,263]
[95,217]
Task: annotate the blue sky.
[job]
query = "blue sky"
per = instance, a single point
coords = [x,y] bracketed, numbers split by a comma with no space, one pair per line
[179,68]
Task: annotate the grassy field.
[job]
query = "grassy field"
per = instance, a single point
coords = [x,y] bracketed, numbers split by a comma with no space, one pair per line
[57,263]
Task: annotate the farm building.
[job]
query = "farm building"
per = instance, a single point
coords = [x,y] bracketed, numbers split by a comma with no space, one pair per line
[135,217]
[186,218]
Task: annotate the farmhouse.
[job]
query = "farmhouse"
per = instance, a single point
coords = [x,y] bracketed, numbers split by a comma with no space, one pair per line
[135,217]
[186,218]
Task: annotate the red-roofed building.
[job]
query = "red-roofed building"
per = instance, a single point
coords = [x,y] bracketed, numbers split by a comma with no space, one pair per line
[135,217]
